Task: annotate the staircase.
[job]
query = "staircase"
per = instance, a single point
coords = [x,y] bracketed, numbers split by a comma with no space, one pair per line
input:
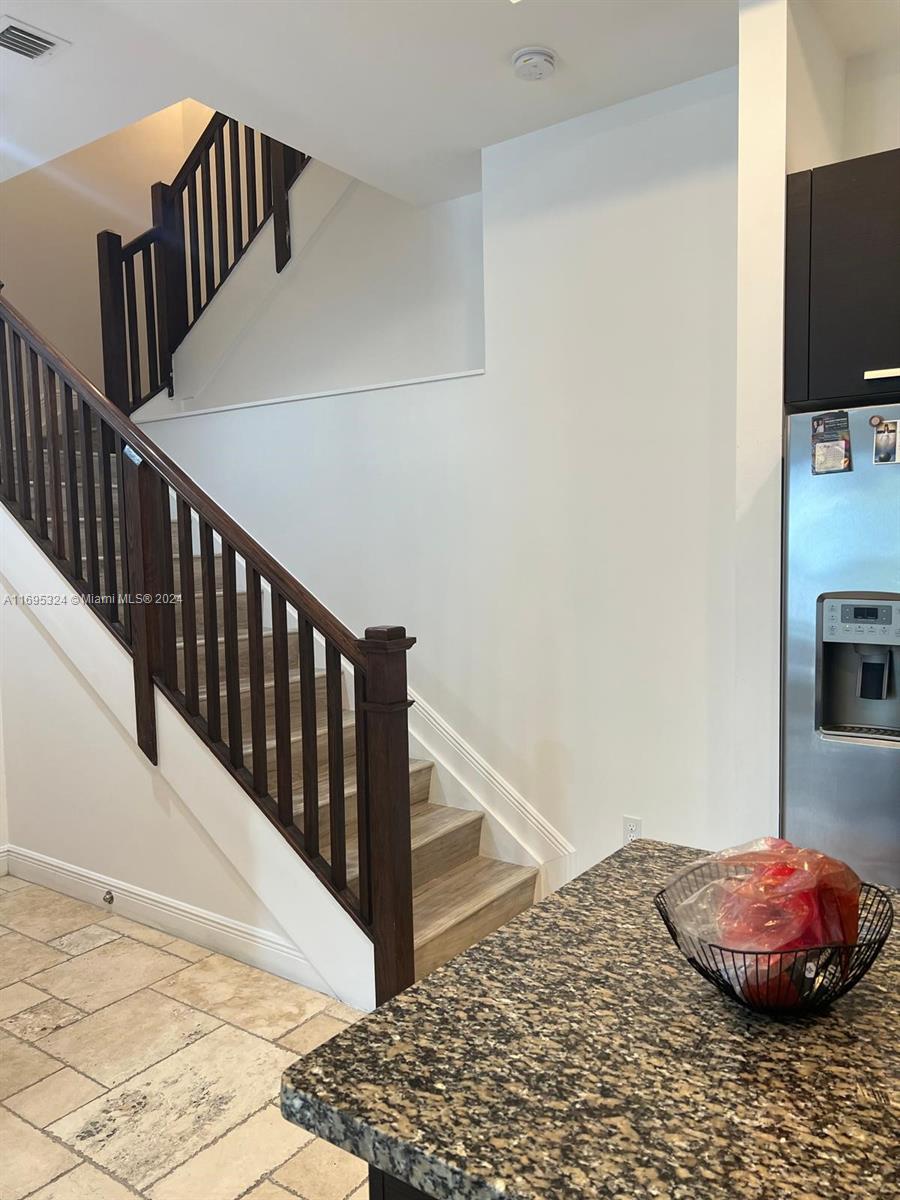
[155,288]
[459,896]
[308,718]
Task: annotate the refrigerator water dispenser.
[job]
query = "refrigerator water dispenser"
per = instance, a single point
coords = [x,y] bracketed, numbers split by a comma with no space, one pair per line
[858,665]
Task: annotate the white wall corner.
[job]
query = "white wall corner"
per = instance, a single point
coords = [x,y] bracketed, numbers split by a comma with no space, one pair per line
[762,148]
[815,90]
[872,102]
[339,952]
[513,830]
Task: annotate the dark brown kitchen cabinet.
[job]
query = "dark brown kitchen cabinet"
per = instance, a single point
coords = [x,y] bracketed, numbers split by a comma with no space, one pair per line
[842,286]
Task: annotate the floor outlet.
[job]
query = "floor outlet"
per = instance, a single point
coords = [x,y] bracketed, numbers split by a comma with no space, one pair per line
[631,829]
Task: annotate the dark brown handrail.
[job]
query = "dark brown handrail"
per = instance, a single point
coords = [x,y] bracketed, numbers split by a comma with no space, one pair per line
[142,241]
[293,591]
[206,139]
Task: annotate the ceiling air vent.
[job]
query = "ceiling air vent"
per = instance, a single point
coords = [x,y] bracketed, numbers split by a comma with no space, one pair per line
[26,40]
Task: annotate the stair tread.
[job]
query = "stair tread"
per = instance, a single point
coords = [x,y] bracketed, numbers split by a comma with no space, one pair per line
[416,766]
[268,680]
[430,821]
[243,635]
[348,722]
[427,823]
[450,898]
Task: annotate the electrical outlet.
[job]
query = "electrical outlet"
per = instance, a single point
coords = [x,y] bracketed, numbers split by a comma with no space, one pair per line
[631,829]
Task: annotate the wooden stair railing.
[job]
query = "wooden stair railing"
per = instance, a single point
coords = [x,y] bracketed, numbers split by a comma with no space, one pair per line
[154,288]
[130,531]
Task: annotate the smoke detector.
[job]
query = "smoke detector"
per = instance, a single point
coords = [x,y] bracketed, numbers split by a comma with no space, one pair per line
[27,40]
[533,63]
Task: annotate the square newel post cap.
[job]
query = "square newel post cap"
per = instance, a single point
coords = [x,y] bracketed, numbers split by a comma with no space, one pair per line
[386,639]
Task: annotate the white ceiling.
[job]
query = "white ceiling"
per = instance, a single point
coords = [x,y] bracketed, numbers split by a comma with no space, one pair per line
[400,93]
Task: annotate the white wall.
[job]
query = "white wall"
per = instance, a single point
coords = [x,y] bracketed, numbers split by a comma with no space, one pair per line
[83,793]
[558,533]
[50,218]
[872,103]
[376,292]
[838,107]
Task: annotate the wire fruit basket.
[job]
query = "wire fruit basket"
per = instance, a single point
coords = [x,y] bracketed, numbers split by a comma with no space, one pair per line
[786,982]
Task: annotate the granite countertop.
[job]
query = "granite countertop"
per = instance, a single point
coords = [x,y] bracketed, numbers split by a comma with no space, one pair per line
[574,1054]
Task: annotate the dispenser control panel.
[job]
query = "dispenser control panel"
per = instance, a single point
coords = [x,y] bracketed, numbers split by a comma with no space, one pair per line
[861,620]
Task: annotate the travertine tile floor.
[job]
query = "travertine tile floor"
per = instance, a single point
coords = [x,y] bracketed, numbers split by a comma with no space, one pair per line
[136,1064]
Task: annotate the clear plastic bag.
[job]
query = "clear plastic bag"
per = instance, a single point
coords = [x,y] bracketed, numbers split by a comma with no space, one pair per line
[773,896]
[763,900]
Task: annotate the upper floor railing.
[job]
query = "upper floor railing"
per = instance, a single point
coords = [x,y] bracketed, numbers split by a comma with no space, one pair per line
[254,663]
[154,288]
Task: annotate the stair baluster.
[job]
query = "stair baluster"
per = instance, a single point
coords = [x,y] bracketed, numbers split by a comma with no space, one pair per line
[257,684]
[20,440]
[191,679]
[89,499]
[6,425]
[73,513]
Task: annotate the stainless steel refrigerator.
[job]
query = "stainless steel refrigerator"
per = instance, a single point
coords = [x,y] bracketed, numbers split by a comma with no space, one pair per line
[841,640]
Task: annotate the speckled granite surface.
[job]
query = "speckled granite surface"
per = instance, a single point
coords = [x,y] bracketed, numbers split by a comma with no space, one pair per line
[574,1055]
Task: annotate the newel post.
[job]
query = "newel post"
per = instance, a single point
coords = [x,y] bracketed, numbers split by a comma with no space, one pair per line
[386,707]
[144,533]
[281,211]
[112,319]
[171,277]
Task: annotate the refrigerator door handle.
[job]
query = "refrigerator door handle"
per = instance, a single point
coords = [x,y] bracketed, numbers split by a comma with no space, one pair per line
[885,373]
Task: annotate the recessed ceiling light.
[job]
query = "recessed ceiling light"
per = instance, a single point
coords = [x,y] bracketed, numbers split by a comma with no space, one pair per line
[533,63]
[515,1]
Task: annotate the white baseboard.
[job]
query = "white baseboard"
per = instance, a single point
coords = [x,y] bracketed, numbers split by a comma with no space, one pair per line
[257,947]
[514,829]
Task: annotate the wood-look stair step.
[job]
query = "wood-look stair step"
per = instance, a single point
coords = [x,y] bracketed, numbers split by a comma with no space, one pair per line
[243,644]
[349,739]
[463,905]
[269,693]
[240,604]
[442,838]
[420,772]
